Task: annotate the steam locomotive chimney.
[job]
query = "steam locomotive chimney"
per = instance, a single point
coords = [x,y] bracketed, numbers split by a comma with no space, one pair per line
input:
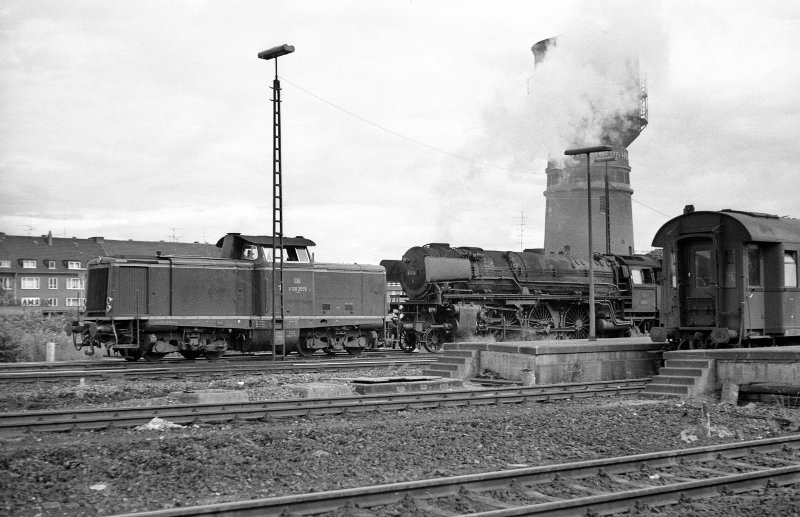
[565,217]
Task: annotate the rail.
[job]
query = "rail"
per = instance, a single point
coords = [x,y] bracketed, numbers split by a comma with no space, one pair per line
[597,486]
[187,414]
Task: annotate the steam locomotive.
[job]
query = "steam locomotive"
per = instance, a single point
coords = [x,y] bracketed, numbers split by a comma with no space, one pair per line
[203,306]
[452,293]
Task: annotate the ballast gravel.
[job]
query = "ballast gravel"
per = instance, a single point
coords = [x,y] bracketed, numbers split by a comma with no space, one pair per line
[109,472]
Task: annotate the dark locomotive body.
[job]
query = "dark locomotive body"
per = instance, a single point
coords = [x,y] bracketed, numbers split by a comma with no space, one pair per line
[151,306]
[730,279]
[454,293]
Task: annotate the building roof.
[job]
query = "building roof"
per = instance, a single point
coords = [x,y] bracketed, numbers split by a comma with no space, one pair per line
[45,248]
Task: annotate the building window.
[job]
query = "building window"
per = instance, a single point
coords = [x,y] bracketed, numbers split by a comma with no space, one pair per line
[73,264]
[30,282]
[51,302]
[51,264]
[790,269]
[76,302]
[603,204]
[29,264]
[6,283]
[74,283]
[31,302]
[754,265]
[5,263]
[52,283]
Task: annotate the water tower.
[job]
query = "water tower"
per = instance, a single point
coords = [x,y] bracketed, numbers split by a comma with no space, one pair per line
[612,216]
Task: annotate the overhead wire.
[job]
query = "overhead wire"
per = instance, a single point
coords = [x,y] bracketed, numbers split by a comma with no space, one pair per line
[428,146]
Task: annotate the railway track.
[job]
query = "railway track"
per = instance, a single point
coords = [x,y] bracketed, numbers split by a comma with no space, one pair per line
[117,369]
[187,414]
[114,361]
[596,487]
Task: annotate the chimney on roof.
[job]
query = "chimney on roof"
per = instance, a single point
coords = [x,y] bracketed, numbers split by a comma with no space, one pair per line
[98,240]
[49,238]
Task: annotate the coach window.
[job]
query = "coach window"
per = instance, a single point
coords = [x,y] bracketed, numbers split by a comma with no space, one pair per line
[730,268]
[790,269]
[754,265]
[702,267]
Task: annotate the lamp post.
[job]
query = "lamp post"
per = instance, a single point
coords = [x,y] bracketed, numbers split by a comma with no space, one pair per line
[587,151]
[606,159]
[278,336]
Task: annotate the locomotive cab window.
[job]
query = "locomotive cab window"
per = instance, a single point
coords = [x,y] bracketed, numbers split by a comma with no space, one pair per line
[790,269]
[642,276]
[297,255]
[250,252]
[291,254]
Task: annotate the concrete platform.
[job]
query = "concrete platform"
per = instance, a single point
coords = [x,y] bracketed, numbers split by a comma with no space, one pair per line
[382,385]
[692,373]
[552,362]
[210,396]
[315,390]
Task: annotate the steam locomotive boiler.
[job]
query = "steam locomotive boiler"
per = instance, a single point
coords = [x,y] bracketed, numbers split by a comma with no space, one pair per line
[452,293]
[203,306]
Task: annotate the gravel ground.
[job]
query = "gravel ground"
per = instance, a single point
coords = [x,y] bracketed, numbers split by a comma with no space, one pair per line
[101,473]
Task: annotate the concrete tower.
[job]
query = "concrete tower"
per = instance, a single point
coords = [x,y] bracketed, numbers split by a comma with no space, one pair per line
[566,228]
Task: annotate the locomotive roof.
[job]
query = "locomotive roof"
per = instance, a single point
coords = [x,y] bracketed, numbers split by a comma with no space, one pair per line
[758,227]
[266,240]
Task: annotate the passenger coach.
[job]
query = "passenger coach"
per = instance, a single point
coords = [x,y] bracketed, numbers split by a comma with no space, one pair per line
[729,278]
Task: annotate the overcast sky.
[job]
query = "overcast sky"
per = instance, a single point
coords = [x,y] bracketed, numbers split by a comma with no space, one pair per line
[404,122]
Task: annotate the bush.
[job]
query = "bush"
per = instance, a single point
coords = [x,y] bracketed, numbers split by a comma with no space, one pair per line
[24,335]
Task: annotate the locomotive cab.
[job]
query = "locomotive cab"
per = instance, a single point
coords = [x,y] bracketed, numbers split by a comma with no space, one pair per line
[259,248]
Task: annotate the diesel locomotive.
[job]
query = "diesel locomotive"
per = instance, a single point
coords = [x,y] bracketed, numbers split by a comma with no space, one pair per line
[730,279]
[454,293]
[203,306]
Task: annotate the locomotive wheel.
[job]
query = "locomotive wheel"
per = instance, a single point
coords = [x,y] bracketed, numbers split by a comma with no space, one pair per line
[153,356]
[576,321]
[434,340]
[130,354]
[354,350]
[78,345]
[191,354]
[213,356]
[539,318]
[408,341]
[304,347]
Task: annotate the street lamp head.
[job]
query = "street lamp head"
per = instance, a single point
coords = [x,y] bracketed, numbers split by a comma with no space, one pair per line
[275,52]
[588,150]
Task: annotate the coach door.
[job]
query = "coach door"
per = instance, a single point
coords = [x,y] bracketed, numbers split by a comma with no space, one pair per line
[698,285]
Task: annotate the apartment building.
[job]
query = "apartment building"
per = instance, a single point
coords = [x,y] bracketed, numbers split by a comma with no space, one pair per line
[50,272]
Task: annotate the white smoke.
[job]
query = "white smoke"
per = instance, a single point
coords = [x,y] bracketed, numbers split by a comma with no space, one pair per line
[587,80]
